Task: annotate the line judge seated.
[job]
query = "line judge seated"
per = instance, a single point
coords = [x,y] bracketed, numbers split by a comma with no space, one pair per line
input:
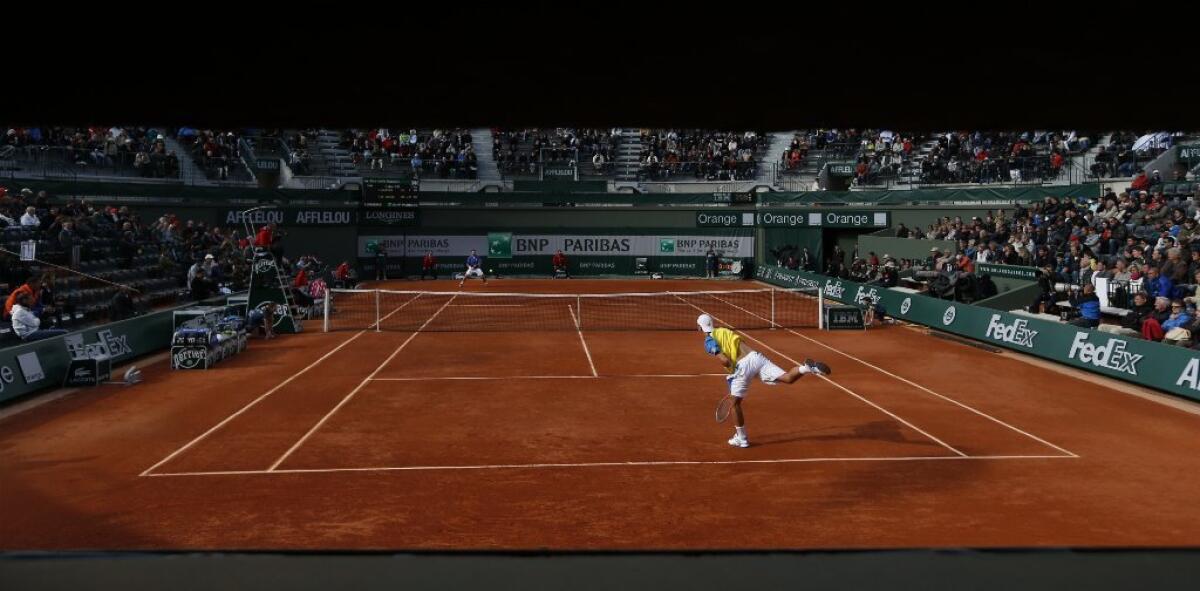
[560,264]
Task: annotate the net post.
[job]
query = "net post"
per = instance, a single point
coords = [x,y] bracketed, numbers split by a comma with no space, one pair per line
[378,321]
[328,297]
[820,308]
[773,323]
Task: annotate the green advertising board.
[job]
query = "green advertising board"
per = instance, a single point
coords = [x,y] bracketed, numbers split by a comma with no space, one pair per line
[1146,363]
[43,364]
[1189,153]
[500,245]
[826,218]
[1008,271]
[724,219]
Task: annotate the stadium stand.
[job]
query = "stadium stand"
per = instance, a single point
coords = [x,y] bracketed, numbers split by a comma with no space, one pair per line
[593,152]
[108,243]
[437,153]
[701,154]
[217,153]
[1137,241]
[115,151]
[885,158]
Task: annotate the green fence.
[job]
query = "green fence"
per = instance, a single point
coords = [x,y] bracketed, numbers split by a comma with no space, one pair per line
[598,251]
[1145,363]
[902,248]
[43,364]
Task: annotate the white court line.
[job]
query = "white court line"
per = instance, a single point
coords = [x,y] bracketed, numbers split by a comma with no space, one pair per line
[359,387]
[581,339]
[632,464]
[946,398]
[839,386]
[488,306]
[269,392]
[594,377]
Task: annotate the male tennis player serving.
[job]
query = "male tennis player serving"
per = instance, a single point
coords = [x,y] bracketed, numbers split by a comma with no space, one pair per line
[743,363]
[473,269]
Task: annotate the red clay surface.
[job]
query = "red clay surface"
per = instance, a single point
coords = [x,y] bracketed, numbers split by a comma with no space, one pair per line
[938,444]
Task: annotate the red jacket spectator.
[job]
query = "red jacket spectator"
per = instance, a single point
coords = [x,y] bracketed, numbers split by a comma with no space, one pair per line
[428,262]
[1141,182]
[1056,161]
[12,298]
[965,264]
[301,279]
[263,238]
[343,272]
[559,260]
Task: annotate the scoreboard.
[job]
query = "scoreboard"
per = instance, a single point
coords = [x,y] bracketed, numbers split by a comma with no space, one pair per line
[387,193]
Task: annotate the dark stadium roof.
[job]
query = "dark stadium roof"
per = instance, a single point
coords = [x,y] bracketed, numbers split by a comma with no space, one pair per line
[612,63]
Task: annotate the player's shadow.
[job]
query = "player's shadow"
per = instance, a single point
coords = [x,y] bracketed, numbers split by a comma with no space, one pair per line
[876,430]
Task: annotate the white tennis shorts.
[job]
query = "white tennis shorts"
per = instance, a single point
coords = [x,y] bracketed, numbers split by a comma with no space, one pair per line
[753,364]
[476,272]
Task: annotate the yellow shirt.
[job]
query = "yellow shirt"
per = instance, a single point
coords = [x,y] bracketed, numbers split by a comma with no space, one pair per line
[730,343]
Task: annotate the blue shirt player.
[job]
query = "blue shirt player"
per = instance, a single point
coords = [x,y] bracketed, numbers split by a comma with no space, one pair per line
[474,269]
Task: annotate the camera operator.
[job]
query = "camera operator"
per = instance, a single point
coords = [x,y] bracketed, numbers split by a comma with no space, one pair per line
[1047,280]
[1088,305]
[889,276]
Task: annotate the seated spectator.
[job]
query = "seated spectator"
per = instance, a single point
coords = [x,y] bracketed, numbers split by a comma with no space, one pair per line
[1152,327]
[1175,329]
[30,219]
[1141,182]
[121,306]
[32,289]
[1139,312]
[1088,304]
[1156,285]
[202,287]
[27,325]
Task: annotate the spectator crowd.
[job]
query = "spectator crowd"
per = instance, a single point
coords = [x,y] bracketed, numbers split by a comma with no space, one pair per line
[682,154]
[144,263]
[1145,243]
[438,153]
[590,151]
[138,151]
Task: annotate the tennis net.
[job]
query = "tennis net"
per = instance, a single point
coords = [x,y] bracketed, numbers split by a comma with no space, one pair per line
[409,311]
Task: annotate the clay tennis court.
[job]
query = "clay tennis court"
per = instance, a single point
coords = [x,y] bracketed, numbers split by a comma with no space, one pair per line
[605,439]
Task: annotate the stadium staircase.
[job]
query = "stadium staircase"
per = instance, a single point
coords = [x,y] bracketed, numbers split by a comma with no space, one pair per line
[335,157]
[485,161]
[1089,157]
[629,153]
[189,172]
[768,164]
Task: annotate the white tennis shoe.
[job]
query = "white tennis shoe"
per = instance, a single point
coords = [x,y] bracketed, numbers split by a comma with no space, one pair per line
[737,441]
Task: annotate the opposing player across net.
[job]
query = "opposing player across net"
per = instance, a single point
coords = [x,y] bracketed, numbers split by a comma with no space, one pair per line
[377,309]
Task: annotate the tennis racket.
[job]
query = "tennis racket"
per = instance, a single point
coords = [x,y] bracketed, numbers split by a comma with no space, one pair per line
[723,408]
